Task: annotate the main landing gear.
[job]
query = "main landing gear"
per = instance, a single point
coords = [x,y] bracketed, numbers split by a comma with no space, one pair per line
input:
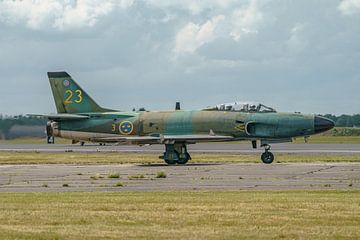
[176,154]
[267,157]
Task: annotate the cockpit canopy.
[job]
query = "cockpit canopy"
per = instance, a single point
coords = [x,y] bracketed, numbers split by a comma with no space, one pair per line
[242,107]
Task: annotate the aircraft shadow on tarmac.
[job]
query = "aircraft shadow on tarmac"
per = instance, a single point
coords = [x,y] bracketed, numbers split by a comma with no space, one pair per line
[176,165]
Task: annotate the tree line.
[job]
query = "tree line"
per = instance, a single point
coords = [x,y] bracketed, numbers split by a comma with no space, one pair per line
[345,120]
[7,122]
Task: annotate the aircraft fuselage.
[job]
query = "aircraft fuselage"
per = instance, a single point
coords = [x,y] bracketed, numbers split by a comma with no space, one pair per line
[245,126]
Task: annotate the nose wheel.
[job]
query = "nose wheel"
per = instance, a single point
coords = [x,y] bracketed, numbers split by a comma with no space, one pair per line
[50,140]
[267,157]
[50,133]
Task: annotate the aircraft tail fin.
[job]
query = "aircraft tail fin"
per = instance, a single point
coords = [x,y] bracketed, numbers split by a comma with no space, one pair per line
[70,97]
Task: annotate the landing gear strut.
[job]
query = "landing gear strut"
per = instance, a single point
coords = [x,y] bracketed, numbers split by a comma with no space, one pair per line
[50,133]
[176,154]
[267,157]
[50,140]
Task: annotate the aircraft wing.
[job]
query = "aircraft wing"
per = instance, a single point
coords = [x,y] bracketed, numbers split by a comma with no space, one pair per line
[60,117]
[163,139]
[125,139]
[197,137]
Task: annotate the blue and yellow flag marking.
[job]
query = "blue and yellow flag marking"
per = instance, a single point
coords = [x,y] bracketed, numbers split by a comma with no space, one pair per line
[126,127]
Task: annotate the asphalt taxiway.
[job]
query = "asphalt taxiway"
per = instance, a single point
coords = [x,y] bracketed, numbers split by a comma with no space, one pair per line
[88,178]
[195,148]
[43,178]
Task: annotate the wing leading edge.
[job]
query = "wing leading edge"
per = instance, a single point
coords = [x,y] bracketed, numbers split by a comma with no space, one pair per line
[163,139]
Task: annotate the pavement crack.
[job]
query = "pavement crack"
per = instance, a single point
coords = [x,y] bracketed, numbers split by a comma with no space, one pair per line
[320,170]
[311,172]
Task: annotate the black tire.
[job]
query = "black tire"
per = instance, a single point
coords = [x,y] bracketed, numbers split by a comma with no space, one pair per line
[183,161]
[267,157]
[171,161]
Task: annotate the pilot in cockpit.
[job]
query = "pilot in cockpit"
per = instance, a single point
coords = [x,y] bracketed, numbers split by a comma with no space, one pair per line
[243,107]
[252,108]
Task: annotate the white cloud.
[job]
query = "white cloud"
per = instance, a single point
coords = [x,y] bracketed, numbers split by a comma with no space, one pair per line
[34,13]
[241,21]
[58,14]
[84,13]
[246,20]
[297,43]
[117,46]
[349,7]
[193,36]
[195,7]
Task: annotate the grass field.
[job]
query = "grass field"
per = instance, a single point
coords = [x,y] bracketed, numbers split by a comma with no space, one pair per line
[181,215]
[134,158]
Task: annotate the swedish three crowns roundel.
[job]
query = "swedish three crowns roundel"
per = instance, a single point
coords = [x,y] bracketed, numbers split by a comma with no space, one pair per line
[126,127]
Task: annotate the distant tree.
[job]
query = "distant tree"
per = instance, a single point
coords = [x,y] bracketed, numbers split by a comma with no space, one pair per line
[332,117]
[344,121]
[356,120]
[349,122]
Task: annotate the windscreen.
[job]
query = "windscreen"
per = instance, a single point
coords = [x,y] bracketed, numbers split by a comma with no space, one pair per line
[242,107]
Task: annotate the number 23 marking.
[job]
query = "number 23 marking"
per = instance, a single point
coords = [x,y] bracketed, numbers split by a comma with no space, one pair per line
[70,94]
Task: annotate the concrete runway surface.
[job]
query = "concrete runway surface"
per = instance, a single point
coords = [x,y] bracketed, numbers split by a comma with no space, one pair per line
[50,178]
[195,148]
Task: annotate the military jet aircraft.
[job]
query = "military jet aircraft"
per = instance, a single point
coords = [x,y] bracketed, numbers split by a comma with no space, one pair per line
[80,118]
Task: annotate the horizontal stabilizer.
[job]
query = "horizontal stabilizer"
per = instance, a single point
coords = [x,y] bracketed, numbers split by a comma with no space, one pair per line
[60,117]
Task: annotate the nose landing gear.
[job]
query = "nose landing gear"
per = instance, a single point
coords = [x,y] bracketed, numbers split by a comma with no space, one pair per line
[267,157]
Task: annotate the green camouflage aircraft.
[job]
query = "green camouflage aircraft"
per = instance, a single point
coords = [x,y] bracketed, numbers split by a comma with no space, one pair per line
[80,118]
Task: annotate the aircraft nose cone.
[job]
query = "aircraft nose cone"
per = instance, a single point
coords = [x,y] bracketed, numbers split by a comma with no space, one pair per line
[322,124]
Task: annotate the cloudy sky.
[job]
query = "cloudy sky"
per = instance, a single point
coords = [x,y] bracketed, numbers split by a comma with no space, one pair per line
[292,55]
